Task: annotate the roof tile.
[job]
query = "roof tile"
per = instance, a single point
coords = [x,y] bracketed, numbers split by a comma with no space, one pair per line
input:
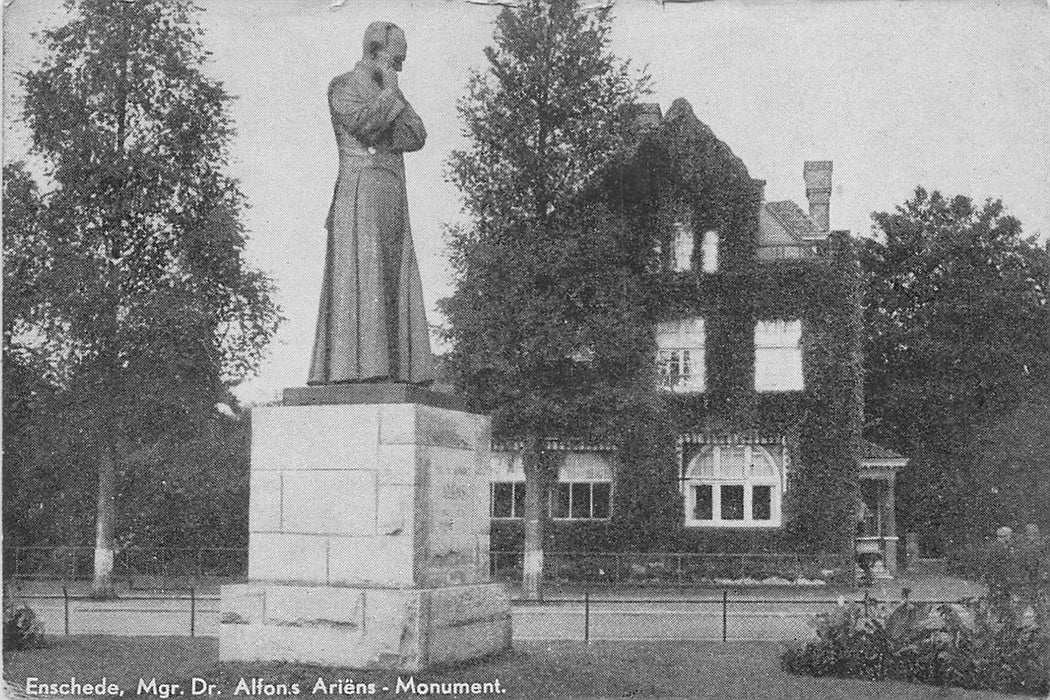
[796,221]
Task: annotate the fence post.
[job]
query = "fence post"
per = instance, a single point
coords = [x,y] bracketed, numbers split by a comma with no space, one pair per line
[193,610]
[65,607]
[725,614]
[587,616]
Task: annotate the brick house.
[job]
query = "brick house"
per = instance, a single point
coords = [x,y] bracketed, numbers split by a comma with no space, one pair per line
[757,358]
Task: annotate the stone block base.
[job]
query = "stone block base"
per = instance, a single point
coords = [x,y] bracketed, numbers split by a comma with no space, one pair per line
[403,629]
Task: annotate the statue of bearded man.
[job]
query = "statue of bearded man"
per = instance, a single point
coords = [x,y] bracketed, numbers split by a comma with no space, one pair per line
[371,325]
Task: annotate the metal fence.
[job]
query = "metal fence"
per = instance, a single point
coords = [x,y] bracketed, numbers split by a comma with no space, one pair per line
[182,567]
[182,611]
[724,617]
[172,563]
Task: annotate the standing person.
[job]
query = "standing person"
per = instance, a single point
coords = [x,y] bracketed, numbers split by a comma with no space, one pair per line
[999,569]
[371,325]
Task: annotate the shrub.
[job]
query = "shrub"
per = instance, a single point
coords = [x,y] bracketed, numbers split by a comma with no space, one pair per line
[1016,571]
[21,628]
[971,644]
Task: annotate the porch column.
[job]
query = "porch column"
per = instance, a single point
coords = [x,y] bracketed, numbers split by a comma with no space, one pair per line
[889,520]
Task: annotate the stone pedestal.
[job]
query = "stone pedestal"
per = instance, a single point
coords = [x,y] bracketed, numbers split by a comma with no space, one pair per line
[368,538]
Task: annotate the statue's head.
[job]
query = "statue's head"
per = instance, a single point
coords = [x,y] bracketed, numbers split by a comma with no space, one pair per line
[385,43]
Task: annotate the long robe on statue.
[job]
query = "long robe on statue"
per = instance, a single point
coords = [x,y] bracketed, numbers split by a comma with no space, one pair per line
[371,323]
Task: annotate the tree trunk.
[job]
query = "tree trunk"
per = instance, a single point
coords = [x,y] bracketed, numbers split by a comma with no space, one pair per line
[105,514]
[536,485]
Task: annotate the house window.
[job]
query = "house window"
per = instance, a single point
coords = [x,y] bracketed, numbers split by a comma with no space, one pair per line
[709,249]
[778,356]
[584,488]
[506,485]
[581,501]
[684,242]
[732,486]
[507,499]
[680,360]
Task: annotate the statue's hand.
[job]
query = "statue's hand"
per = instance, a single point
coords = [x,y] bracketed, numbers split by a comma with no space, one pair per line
[389,77]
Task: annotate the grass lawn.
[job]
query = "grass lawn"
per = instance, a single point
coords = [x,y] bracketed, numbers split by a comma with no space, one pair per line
[696,670]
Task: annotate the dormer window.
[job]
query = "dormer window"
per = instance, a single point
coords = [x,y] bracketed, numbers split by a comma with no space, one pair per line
[709,250]
[683,243]
[680,360]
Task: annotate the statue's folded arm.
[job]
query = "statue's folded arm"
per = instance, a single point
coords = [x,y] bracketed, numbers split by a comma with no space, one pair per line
[365,116]
[409,133]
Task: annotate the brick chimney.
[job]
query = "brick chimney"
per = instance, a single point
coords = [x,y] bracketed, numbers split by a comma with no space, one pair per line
[817,174]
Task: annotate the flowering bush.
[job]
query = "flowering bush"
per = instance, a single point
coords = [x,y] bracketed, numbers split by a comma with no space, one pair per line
[970,644]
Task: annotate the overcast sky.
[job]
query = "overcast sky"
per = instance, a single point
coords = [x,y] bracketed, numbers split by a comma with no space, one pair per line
[954,96]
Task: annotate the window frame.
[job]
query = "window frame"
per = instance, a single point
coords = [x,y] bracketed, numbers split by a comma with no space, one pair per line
[710,242]
[693,357]
[572,486]
[794,353]
[515,485]
[683,246]
[691,480]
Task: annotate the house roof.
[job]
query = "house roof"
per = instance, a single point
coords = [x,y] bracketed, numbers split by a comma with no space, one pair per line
[873,452]
[679,132]
[796,221]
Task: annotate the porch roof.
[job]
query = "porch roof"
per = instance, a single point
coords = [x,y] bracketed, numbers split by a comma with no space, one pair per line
[873,452]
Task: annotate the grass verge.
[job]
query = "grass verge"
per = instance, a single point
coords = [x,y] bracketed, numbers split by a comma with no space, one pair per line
[698,670]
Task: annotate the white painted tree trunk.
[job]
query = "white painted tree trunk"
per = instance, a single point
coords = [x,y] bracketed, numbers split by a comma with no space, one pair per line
[535,519]
[105,514]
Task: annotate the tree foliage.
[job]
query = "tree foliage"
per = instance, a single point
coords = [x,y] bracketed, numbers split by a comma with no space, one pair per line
[542,318]
[142,222]
[542,321]
[957,333]
[135,291]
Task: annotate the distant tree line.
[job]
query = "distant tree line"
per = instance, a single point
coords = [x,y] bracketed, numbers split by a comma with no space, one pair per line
[957,364]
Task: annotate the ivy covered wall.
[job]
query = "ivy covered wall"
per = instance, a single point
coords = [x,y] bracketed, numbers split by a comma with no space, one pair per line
[682,169]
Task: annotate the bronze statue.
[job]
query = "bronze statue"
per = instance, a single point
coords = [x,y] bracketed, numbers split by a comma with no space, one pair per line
[371,325]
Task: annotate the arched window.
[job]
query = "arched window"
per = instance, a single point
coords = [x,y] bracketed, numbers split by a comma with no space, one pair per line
[733,486]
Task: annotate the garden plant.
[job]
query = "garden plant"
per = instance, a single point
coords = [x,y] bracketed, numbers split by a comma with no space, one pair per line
[996,642]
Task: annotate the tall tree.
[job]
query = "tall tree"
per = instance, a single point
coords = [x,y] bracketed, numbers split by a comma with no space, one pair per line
[957,332]
[28,388]
[541,319]
[145,295]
